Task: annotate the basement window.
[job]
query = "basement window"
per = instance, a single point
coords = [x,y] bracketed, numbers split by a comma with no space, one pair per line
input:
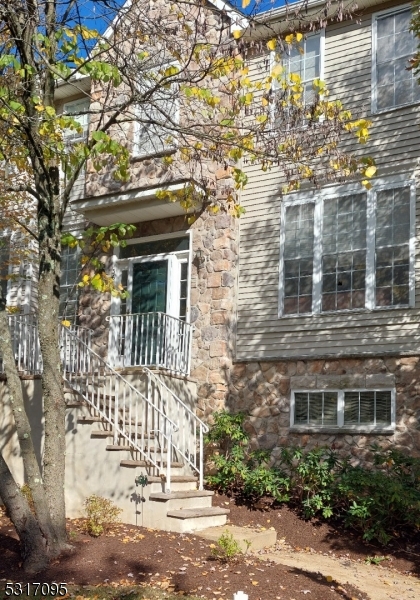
[343,409]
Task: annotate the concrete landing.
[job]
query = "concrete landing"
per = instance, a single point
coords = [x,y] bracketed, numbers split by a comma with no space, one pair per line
[258,539]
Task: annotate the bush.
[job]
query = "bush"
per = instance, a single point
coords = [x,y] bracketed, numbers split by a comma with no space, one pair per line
[240,470]
[102,514]
[382,501]
[227,548]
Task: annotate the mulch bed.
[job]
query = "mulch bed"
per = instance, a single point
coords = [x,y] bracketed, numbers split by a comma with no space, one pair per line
[182,564]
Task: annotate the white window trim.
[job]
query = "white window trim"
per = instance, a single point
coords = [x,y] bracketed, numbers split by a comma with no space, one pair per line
[318,197]
[120,264]
[321,33]
[374,96]
[71,136]
[340,412]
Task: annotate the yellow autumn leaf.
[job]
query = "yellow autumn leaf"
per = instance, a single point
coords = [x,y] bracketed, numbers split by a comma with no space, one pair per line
[264,101]
[367,184]
[66,323]
[245,3]
[277,70]
[329,578]
[289,38]
[370,171]
[271,44]
[236,34]
[254,582]
[299,37]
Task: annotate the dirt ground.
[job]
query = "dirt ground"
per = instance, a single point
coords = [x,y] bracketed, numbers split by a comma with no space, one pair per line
[183,564]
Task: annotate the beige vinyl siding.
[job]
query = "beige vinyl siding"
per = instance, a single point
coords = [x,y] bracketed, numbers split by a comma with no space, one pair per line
[395,145]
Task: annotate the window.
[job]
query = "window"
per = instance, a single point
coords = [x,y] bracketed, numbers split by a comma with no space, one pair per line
[304,59]
[153,132]
[79,109]
[349,409]
[4,265]
[393,44]
[68,283]
[344,249]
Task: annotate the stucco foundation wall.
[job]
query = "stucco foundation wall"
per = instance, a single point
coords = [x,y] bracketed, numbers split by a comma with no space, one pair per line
[9,445]
[263,389]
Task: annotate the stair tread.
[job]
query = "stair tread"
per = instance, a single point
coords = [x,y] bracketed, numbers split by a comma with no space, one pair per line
[174,479]
[142,463]
[192,513]
[181,494]
[89,419]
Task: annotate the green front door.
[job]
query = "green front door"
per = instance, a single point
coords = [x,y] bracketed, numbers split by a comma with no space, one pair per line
[148,307]
[149,287]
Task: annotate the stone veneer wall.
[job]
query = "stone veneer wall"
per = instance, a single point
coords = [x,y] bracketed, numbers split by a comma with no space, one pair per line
[211,302]
[262,391]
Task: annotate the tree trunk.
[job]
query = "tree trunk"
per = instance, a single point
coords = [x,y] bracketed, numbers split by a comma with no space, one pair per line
[33,475]
[52,384]
[33,545]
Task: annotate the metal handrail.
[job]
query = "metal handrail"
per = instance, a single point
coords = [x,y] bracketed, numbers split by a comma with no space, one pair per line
[115,399]
[151,339]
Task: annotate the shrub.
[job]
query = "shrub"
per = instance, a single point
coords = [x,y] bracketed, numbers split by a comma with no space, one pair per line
[102,514]
[383,501]
[238,469]
[227,548]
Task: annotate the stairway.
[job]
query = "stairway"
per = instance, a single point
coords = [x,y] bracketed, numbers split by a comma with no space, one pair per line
[118,432]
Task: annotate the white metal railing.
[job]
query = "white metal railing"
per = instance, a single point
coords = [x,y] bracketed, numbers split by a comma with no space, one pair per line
[25,339]
[150,339]
[148,418]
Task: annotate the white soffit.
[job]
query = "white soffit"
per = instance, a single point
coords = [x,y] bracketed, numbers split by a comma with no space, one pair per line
[132,207]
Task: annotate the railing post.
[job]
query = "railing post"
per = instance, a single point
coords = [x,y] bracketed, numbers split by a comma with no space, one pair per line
[201,459]
[168,460]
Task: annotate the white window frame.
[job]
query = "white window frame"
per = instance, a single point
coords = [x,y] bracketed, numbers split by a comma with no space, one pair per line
[276,58]
[71,136]
[168,148]
[318,197]
[120,265]
[374,96]
[340,411]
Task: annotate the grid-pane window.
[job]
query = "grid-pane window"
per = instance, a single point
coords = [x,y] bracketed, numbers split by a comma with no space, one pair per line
[392,247]
[304,59]
[348,252]
[316,408]
[68,283]
[183,292]
[367,408]
[298,258]
[395,44]
[79,109]
[4,266]
[155,122]
[344,253]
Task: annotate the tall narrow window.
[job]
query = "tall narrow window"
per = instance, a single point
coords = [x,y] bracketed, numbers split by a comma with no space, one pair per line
[68,283]
[4,266]
[155,122]
[395,44]
[78,108]
[392,247]
[304,60]
[344,253]
[298,259]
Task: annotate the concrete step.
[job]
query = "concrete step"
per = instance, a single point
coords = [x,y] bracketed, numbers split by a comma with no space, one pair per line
[188,520]
[179,495]
[88,420]
[247,538]
[143,463]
